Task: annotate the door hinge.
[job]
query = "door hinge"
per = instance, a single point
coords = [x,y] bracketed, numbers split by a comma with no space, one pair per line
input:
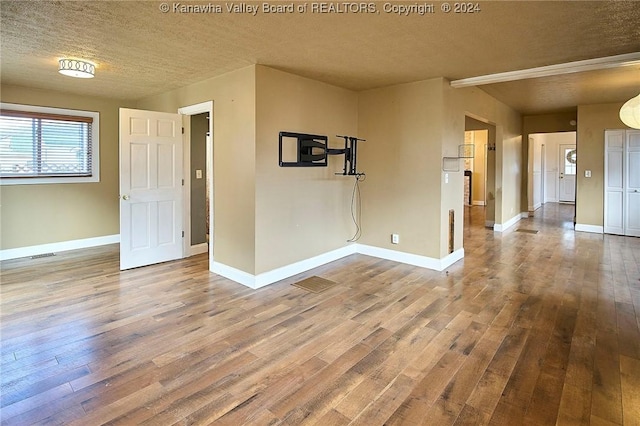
[182,234]
[182,182]
[183,130]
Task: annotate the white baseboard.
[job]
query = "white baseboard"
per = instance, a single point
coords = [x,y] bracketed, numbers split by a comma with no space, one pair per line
[270,277]
[198,249]
[57,247]
[266,278]
[524,215]
[595,229]
[501,227]
[412,259]
[535,207]
[278,274]
[245,278]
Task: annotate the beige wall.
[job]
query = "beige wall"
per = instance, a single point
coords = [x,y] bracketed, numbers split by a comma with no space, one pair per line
[593,120]
[402,158]
[266,217]
[301,212]
[412,127]
[41,214]
[234,130]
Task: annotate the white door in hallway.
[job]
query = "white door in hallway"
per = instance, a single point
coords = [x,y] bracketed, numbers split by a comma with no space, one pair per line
[632,184]
[567,175]
[150,187]
[622,182]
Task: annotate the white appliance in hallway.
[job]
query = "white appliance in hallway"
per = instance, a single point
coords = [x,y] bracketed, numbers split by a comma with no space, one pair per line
[567,175]
[622,182]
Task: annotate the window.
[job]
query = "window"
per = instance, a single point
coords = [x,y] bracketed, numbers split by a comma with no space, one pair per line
[48,145]
[570,161]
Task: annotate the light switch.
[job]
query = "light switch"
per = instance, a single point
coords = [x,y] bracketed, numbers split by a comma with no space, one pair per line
[587,173]
[198,174]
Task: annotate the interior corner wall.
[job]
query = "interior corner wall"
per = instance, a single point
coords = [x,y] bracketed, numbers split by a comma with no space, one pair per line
[234,159]
[593,120]
[403,161]
[301,212]
[33,215]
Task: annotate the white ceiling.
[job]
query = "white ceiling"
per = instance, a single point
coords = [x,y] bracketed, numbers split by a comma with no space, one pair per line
[140,51]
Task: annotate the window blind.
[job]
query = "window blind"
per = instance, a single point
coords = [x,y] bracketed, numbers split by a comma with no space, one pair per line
[44,145]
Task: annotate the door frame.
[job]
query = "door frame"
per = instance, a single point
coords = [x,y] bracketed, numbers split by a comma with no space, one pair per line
[187,112]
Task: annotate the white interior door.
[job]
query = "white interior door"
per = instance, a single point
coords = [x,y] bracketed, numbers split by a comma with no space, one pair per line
[632,187]
[567,187]
[150,187]
[614,199]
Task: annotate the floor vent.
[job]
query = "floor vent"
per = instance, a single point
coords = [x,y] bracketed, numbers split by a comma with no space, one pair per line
[527,231]
[315,284]
[38,256]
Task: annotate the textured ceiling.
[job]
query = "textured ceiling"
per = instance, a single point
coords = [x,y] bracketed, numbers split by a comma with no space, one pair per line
[141,51]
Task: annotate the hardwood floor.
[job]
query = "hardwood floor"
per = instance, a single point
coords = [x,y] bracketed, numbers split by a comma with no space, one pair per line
[529,329]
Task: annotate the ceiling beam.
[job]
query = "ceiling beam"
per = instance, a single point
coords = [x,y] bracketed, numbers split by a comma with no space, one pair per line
[607,62]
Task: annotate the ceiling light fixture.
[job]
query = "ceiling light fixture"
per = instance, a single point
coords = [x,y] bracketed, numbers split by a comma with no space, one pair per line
[630,113]
[76,68]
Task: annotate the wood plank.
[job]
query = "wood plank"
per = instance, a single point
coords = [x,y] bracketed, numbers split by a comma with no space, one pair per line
[528,329]
[630,375]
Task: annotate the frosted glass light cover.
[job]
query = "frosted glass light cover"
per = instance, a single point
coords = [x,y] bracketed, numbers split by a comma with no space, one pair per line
[630,113]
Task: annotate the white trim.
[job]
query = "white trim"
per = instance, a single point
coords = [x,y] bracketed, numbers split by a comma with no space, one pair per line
[412,259]
[233,274]
[524,215]
[266,278]
[198,249]
[303,265]
[270,277]
[534,208]
[479,203]
[595,229]
[190,110]
[607,62]
[196,109]
[501,227]
[57,247]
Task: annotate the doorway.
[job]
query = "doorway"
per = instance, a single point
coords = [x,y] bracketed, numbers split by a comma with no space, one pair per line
[198,176]
[552,169]
[198,152]
[480,174]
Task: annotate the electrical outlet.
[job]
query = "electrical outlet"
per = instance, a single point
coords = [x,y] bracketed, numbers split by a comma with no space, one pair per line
[395,239]
[198,174]
[587,173]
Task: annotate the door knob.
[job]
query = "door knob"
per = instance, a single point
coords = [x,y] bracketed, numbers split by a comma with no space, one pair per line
[125,197]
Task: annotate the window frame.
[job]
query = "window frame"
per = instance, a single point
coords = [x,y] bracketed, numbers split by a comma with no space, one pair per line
[95,146]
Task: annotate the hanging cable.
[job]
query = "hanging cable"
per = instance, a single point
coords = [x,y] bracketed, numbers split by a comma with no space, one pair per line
[356,210]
